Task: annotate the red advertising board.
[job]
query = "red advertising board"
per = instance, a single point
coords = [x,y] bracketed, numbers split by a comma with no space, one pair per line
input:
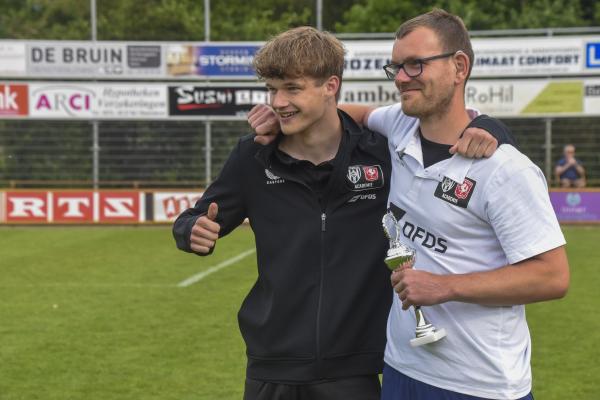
[119,207]
[74,207]
[27,207]
[14,100]
[2,208]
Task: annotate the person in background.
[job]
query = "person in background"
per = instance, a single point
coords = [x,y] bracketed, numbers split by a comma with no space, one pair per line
[569,171]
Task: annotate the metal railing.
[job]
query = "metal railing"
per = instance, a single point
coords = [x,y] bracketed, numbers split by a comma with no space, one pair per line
[154,154]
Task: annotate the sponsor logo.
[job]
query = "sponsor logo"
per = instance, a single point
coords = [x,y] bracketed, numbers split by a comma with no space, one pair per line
[193,100]
[210,60]
[419,235]
[573,199]
[119,206]
[354,174]
[83,207]
[592,90]
[371,173]
[13,100]
[364,177]
[26,207]
[168,206]
[447,184]
[73,207]
[273,179]
[463,190]
[461,195]
[90,54]
[357,197]
[592,59]
[71,101]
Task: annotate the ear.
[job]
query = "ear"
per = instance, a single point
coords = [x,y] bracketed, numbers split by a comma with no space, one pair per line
[332,85]
[461,61]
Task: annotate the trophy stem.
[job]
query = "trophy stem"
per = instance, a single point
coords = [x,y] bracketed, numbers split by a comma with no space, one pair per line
[423,326]
[425,332]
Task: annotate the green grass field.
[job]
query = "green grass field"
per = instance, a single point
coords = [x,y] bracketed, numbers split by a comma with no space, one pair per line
[96,313]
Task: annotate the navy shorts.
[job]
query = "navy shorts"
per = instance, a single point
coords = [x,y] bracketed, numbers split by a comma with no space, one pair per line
[397,386]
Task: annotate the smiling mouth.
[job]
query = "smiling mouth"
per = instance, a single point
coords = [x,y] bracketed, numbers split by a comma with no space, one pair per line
[405,90]
[285,115]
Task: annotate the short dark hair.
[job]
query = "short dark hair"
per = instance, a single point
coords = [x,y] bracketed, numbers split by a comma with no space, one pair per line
[450,30]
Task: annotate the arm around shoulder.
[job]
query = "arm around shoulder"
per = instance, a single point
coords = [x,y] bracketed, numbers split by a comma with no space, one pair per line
[359,113]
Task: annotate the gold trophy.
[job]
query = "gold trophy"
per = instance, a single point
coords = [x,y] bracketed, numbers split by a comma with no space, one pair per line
[397,255]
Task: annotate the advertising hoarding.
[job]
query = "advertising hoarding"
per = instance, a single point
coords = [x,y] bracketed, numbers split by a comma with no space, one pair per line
[168,205]
[494,58]
[187,100]
[500,98]
[12,59]
[576,206]
[14,100]
[226,60]
[66,100]
[121,101]
[64,206]
[109,60]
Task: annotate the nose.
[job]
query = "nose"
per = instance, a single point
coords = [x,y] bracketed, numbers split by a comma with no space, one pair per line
[402,76]
[278,100]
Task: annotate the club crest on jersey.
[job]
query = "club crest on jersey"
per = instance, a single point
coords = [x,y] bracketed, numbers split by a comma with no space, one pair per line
[371,173]
[364,177]
[454,193]
[447,184]
[354,173]
[272,178]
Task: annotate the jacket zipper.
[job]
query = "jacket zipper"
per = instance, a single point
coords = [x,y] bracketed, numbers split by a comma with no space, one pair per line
[322,267]
[322,270]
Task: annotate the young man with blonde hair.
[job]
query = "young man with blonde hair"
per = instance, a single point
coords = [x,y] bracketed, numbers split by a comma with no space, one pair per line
[314,322]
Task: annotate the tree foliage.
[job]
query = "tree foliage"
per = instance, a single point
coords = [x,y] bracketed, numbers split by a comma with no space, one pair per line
[242,20]
[385,16]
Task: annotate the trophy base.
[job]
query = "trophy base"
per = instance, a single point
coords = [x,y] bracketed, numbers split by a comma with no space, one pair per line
[430,338]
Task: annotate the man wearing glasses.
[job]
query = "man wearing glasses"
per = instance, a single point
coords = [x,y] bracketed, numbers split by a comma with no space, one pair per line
[503,247]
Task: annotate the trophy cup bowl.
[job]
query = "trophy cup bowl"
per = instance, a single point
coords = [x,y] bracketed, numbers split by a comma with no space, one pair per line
[397,255]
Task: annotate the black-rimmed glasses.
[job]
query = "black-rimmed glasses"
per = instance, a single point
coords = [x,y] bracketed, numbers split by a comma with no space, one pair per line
[413,68]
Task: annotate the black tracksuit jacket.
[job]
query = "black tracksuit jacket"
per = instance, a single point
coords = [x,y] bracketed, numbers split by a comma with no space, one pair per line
[319,307]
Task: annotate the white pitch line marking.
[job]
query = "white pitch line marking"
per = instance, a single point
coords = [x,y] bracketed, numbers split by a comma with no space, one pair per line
[198,277]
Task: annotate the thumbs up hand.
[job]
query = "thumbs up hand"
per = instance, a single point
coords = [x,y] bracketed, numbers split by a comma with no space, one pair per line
[205,231]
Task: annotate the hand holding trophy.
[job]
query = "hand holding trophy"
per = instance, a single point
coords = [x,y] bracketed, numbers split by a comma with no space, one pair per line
[397,255]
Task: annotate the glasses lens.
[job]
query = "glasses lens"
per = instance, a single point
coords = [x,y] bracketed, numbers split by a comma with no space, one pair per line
[391,71]
[413,68]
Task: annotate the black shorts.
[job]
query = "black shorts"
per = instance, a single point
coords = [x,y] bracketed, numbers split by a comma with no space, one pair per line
[354,388]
